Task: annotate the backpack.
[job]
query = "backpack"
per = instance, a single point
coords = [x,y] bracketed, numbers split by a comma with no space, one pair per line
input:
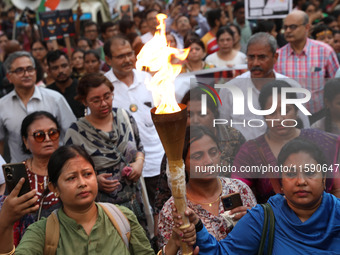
[118,219]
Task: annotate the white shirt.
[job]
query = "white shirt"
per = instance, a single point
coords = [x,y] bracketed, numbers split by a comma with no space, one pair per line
[214,59]
[138,94]
[146,37]
[244,82]
[13,111]
[2,178]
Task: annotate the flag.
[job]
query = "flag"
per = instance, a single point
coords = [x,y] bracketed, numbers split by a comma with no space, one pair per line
[52,4]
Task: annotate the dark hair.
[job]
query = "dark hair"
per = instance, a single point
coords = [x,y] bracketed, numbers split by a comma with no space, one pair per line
[106,25]
[267,91]
[237,28]
[330,91]
[194,133]
[77,50]
[238,5]
[191,35]
[195,94]
[223,30]
[28,120]
[53,56]
[117,38]
[306,5]
[93,52]
[302,145]
[125,24]
[148,12]
[90,23]
[199,42]
[87,40]
[320,28]
[328,20]
[266,26]
[91,80]
[212,15]
[61,156]
[43,43]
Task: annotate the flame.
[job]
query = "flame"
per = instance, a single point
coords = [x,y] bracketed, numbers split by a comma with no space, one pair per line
[156,56]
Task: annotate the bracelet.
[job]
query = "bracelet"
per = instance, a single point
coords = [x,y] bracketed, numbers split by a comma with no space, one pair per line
[161,251]
[140,158]
[199,226]
[9,253]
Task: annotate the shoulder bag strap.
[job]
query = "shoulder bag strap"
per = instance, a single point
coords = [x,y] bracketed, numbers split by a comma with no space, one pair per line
[268,216]
[52,233]
[264,230]
[119,221]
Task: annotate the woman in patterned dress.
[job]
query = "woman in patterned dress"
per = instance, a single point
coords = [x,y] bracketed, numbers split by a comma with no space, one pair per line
[110,136]
[40,134]
[204,189]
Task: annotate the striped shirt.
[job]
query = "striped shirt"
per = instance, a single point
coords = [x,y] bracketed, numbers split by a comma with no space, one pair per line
[310,68]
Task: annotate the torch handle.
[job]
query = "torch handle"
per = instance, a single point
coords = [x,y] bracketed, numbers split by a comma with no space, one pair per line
[178,189]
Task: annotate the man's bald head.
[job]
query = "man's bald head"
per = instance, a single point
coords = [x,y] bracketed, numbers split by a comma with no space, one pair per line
[296,26]
[301,15]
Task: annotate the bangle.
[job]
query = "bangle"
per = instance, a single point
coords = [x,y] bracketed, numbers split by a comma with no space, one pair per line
[161,251]
[9,253]
[140,158]
[199,226]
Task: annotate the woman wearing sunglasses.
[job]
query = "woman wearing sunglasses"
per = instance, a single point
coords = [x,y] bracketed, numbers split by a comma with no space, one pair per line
[40,135]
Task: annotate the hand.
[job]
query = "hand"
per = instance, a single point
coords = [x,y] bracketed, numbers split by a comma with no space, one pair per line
[15,207]
[193,218]
[187,235]
[240,212]
[106,185]
[137,168]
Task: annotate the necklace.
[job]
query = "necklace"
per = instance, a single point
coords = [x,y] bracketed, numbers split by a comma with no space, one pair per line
[41,184]
[210,204]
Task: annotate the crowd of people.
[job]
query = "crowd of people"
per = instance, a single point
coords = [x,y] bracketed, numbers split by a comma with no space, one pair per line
[79,120]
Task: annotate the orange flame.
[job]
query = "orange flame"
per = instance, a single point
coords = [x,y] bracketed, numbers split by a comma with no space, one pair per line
[156,56]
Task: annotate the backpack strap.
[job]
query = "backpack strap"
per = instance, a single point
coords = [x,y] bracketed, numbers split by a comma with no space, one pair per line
[268,217]
[119,221]
[52,234]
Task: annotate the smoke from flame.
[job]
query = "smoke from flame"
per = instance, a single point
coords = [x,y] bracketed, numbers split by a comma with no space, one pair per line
[156,56]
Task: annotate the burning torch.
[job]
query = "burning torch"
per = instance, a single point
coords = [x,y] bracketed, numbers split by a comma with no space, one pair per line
[169,117]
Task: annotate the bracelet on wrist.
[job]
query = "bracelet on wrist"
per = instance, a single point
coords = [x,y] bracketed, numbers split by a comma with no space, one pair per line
[199,226]
[161,251]
[9,253]
[142,158]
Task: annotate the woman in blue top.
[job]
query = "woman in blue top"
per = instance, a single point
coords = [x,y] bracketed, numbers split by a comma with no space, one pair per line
[307,219]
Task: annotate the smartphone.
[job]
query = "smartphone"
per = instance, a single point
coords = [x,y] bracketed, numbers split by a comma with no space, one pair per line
[231,201]
[13,172]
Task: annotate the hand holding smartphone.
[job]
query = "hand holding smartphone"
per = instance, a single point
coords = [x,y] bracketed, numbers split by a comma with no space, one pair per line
[13,172]
[231,201]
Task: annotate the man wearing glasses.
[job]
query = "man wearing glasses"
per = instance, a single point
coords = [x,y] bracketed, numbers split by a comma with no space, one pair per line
[307,61]
[25,99]
[131,94]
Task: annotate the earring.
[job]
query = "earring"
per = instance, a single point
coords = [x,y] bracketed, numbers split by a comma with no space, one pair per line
[56,194]
[85,111]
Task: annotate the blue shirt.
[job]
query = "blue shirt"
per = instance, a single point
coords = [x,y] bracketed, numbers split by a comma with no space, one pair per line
[320,234]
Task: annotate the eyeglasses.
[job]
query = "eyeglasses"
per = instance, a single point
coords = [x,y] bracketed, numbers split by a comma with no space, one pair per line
[123,56]
[40,135]
[20,71]
[291,27]
[98,101]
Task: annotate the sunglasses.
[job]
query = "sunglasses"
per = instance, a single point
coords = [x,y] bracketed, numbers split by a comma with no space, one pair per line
[40,136]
